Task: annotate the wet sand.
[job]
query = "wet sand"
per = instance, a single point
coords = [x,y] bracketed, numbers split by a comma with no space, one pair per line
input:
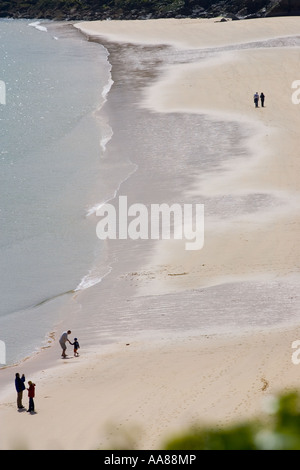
[158,379]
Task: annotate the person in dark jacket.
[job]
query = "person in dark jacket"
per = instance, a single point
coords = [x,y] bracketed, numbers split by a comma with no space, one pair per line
[262,99]
[76,347]
[20,387]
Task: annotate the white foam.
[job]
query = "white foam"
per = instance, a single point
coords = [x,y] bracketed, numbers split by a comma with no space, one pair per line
[37,25]
[91,279]
[104,141]
[107,88]
[94,209]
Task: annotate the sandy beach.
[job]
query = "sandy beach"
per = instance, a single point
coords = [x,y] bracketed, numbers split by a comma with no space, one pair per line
[136,392]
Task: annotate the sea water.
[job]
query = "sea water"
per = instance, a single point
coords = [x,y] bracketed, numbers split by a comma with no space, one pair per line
[52,140]
[75,135]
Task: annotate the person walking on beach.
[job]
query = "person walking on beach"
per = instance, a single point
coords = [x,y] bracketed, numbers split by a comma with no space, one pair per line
[20,387]
[76,347]
[31,395]
[62,341]
[256,98]
[262,99]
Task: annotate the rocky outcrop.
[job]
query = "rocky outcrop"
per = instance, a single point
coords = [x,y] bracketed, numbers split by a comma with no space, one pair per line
[124,10]
[284,8]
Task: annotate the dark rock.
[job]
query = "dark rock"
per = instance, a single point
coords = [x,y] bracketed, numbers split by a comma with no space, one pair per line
[96,10]
[232,17]
[252,16]
[283,8]
[242,13]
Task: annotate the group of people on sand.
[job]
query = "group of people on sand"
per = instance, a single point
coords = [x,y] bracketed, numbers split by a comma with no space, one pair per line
[63,340]
[20,380]
[256,98]
[20,387]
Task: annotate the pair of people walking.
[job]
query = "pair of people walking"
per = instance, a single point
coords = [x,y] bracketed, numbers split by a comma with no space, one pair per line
[63,340]
[257,97]
[20,387]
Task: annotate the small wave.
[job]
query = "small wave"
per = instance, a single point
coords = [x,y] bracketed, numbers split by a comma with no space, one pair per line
[105,140]
[37,25]
[93,209]
[42,302]
[90,280]
[106,88]
[105,91]
[96,207]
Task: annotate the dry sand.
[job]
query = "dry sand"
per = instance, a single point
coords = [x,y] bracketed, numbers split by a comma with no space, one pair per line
[137,394]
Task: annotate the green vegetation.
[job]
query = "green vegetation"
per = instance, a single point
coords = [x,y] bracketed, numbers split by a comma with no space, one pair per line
[93,8]
[279,429]
[130,9]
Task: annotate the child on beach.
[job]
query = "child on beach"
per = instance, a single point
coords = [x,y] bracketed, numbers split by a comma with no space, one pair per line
[76,347]
[31,394]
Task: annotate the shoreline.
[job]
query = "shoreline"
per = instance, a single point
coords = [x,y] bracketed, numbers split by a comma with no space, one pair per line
[156,382]
[213,32]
